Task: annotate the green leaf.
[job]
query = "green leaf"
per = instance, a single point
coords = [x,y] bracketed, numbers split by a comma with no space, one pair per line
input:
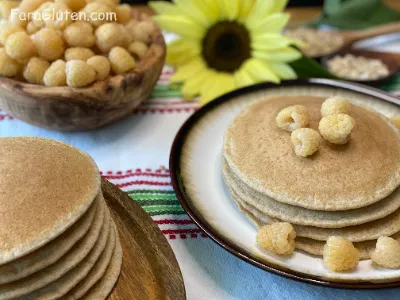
[306,67]
[355,14]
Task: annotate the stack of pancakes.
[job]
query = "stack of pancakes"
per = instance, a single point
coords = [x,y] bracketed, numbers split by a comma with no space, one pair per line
[57,238]
[349,190]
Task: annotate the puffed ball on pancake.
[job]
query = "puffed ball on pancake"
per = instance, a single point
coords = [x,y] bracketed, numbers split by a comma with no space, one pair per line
[292,118]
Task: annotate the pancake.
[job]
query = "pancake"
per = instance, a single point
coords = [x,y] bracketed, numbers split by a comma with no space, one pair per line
[316,247]
[365,232]
[302,216]
[79,253]
[106,284]
[51,252]
[96,273]
[62,286]
[358,174]
[46,187]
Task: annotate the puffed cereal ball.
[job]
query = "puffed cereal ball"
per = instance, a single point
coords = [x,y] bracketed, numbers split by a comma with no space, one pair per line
[138,48]
[98,8]
[395,121]
[35,69]
[31,28]
[277,238]
[110,35]
[49,44]
[101,65]
[80,34]
[20,46]
[131,24]
[79,73]
[30,5]
[340,255]
[124,13]
[147,26]
[111,3]
[75,5]
[6,30]
[9,67]
[292,117]
[138,34]
[15,19]
[6,7]
[63,11]
[305,141]
[336,128]
[386,253]
[121,61]
[55,75]
[335,105]
[78,53]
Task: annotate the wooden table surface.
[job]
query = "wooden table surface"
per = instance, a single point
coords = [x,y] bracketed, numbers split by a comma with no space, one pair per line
[299,14]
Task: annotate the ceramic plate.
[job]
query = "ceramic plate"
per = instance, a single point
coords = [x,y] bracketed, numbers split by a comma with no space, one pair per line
[195,165]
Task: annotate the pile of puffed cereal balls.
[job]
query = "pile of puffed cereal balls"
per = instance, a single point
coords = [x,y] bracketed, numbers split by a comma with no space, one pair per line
[339,254]
[335,126]
[60,52]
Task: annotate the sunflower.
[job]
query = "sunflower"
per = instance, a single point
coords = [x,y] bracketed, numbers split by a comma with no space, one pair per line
[226,44]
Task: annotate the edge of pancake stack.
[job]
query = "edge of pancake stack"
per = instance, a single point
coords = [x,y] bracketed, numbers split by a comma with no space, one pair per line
[57,237]
[350,191]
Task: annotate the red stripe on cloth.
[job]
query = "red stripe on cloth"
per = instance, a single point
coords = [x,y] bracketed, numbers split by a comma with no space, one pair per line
[136,174]
[143,182]
[185,236]
[170,221]
[6,117]
[164,110]
[138,170]
[180,231]
[166,102]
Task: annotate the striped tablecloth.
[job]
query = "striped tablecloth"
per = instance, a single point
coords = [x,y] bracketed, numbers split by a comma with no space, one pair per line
[133,154]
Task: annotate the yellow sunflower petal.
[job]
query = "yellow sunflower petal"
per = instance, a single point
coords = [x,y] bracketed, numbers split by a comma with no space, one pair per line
[281,55]
[271,24]
[192,87]
[165,8]
[260,10]
[269,41]
[283,70]
[212,12]
[245,8]
[243,78]
[188,70]
[181,25]
[180,51]
[229,8]
[260,71]
[193,10]
[279,6]
[222,83]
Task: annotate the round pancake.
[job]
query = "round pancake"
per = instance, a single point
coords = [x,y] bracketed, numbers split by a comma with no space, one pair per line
[365,232]
[51,252]
[78,254]
[46,187]
[306,217]
[106,284]
[96,273]
[57,289]
[314,247]
[357,174]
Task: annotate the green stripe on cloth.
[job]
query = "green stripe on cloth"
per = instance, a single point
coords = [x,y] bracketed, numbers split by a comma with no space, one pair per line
[157,202]
[165,212]
[153,196]
[166,91]
[163,207]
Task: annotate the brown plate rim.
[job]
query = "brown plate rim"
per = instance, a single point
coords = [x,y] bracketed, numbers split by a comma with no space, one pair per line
[121,204]
[184,199]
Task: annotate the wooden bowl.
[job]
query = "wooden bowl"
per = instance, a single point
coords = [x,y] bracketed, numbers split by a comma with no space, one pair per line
[77,109]
[386,58]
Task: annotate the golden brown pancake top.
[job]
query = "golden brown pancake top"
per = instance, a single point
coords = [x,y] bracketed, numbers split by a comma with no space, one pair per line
[354,175]
[45,187]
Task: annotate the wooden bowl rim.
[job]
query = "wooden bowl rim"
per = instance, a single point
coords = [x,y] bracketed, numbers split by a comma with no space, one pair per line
[156,52]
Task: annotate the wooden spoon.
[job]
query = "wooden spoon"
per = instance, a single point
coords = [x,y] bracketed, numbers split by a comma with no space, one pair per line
[352,36]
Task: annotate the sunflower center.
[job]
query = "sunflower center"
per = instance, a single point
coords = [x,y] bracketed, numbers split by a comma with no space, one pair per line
[226,46]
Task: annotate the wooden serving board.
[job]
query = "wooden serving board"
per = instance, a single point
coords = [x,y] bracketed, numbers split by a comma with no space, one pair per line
[149,267]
